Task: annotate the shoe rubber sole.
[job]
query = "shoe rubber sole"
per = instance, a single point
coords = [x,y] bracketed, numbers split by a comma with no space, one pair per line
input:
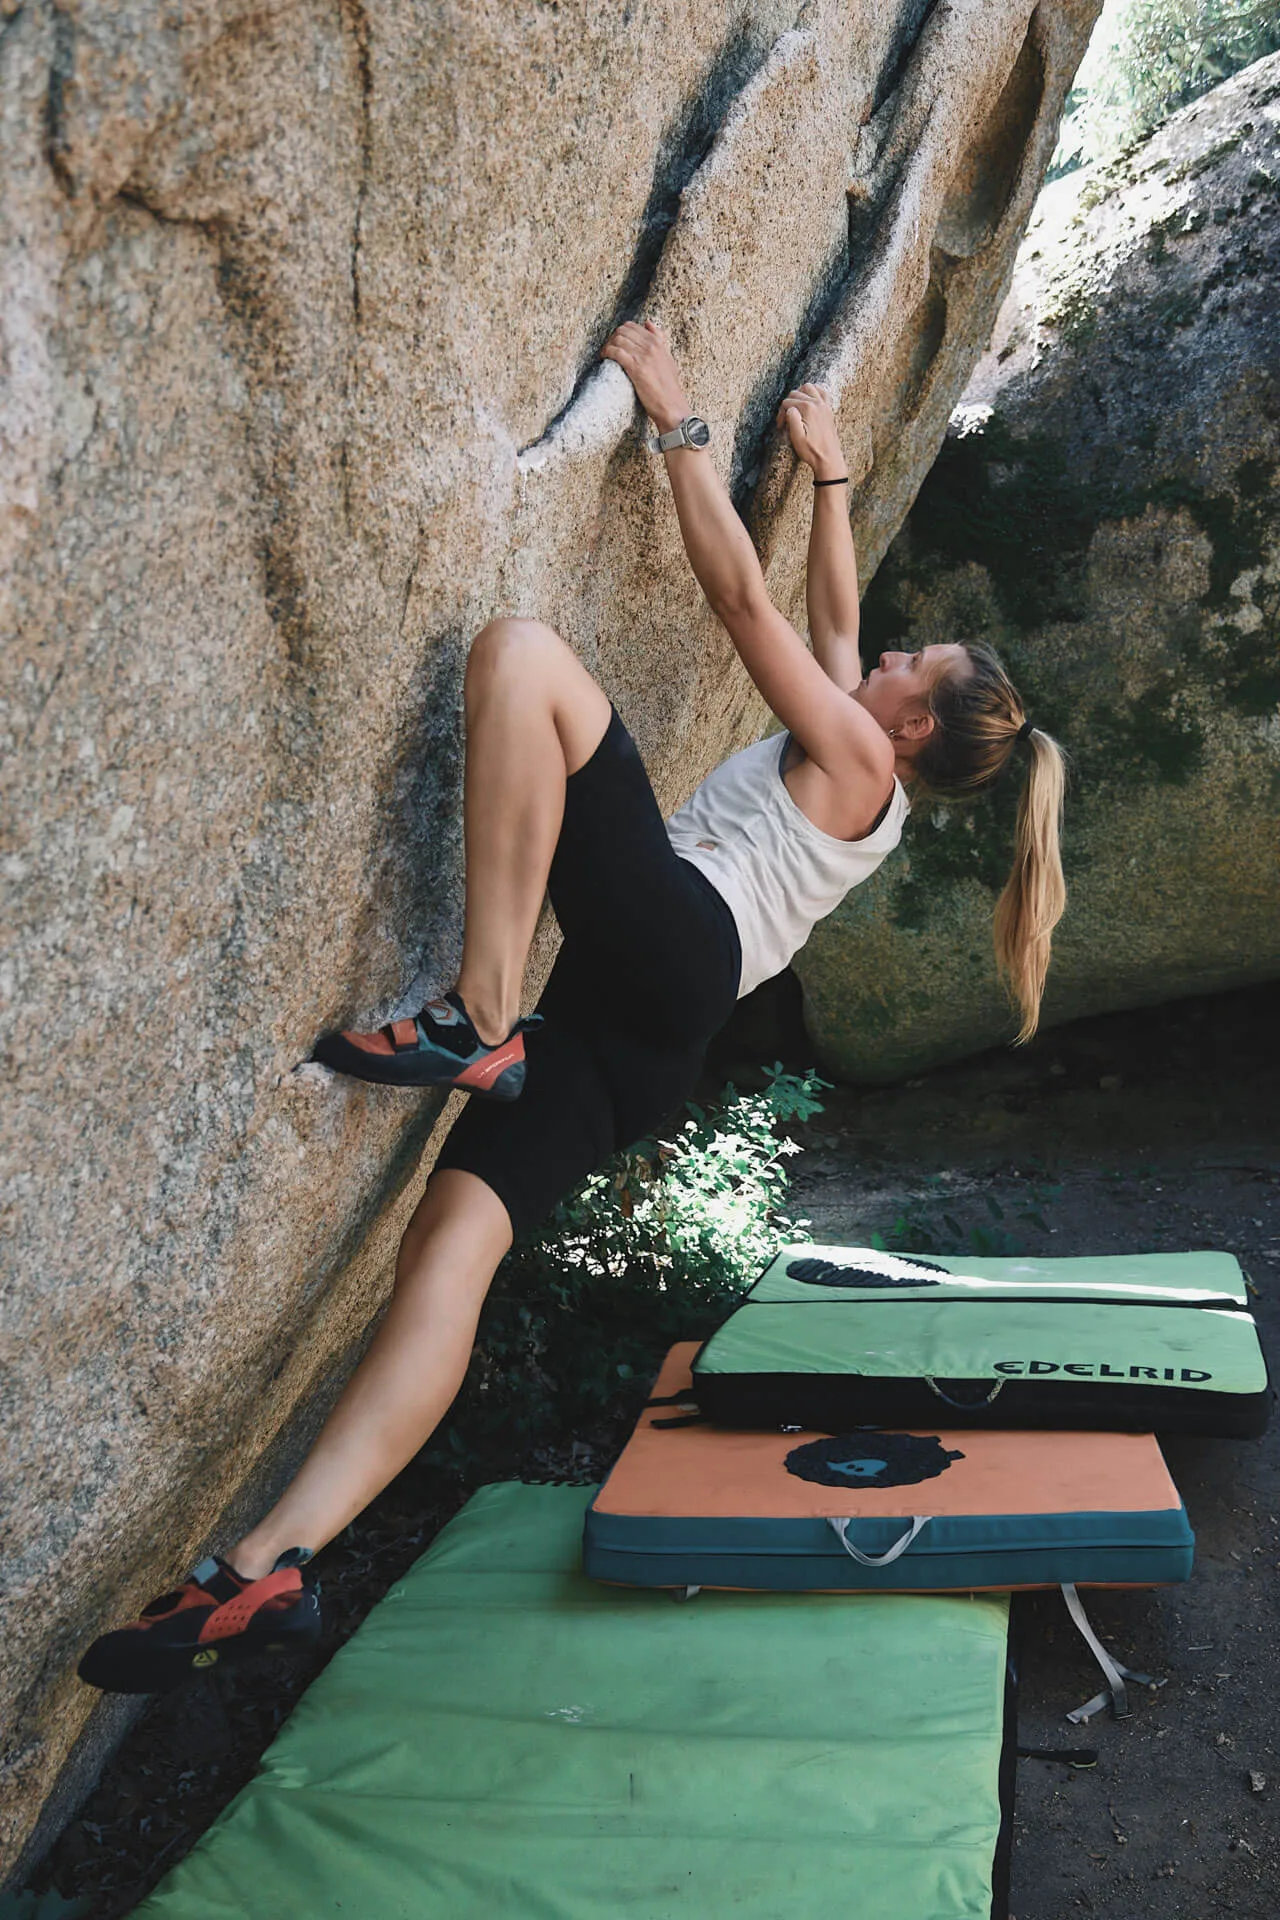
[411,1070]
[158,1669]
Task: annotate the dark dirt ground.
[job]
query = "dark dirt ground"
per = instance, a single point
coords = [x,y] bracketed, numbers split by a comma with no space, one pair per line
[1137,1132]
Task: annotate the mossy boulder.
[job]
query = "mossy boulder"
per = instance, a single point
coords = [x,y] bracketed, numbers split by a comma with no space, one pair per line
[1106,512]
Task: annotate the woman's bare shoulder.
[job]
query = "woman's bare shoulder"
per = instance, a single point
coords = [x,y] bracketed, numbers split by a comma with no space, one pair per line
[848,804]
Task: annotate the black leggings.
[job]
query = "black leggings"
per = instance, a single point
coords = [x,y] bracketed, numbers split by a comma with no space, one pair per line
[647,973]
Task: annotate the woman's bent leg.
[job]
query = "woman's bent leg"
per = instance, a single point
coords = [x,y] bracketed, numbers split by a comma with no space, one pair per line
[406,1382]
[534,716]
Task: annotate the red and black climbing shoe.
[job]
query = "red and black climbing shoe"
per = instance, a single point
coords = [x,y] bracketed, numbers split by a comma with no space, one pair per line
[439,1047]
[217,1616]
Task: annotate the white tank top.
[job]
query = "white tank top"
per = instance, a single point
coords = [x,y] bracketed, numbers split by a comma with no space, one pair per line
[778,873]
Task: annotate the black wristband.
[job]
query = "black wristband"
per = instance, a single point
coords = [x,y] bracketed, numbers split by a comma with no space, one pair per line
[843,481]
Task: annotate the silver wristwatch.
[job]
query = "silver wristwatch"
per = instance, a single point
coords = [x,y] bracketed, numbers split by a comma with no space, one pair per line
[691,432]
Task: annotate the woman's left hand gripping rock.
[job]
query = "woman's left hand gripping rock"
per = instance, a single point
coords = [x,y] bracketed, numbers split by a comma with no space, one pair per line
[807,416]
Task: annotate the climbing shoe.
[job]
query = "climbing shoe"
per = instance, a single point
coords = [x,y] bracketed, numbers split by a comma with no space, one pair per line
[439,1047]
[215,1617]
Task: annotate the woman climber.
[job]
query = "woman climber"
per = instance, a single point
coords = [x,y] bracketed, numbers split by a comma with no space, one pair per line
[664,926]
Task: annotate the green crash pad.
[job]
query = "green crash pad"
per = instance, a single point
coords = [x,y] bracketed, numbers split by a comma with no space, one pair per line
[504,1739]
[838,1337]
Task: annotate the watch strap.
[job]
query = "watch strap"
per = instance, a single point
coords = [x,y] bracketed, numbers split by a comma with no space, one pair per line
[677,436]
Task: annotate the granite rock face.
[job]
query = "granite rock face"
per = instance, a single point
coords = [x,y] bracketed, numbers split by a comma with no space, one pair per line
[1106,511]
[300,319]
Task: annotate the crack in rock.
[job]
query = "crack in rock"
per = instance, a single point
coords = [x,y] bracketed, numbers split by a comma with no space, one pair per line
[605,408]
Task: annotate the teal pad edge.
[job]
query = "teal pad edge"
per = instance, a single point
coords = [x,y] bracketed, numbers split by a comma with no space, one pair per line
[504,1737]
[954,1553]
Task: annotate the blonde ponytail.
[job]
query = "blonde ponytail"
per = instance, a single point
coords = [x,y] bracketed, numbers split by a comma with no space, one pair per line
[980,726]
[1035,893]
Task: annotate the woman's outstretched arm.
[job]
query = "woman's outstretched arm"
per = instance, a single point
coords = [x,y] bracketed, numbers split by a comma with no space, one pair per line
[718,545]
[831,578]
[832,729]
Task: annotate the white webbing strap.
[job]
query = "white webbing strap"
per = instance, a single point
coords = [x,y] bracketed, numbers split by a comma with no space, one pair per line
[1113,1672]
[841,1530]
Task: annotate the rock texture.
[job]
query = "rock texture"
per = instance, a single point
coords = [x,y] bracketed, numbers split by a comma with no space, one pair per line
[1106,511]
[301,311]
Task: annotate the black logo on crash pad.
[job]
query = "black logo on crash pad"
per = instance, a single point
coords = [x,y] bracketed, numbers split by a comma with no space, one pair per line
[831,1273]
[871,1460]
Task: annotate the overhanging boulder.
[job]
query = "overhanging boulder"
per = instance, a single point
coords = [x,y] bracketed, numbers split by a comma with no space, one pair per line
[302,307]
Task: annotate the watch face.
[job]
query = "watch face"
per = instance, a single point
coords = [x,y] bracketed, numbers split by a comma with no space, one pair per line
[699,433]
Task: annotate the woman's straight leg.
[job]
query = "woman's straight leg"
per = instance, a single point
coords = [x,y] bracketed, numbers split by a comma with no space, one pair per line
[534,716]
[407,1380]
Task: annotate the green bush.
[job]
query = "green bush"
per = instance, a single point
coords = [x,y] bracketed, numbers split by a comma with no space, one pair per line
[649,1251]
[1146,59]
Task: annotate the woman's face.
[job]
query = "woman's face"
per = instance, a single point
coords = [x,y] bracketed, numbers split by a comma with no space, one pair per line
[896,691]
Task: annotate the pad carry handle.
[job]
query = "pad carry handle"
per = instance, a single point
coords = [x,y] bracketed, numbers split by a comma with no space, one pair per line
[963,1406]
[840,1528]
